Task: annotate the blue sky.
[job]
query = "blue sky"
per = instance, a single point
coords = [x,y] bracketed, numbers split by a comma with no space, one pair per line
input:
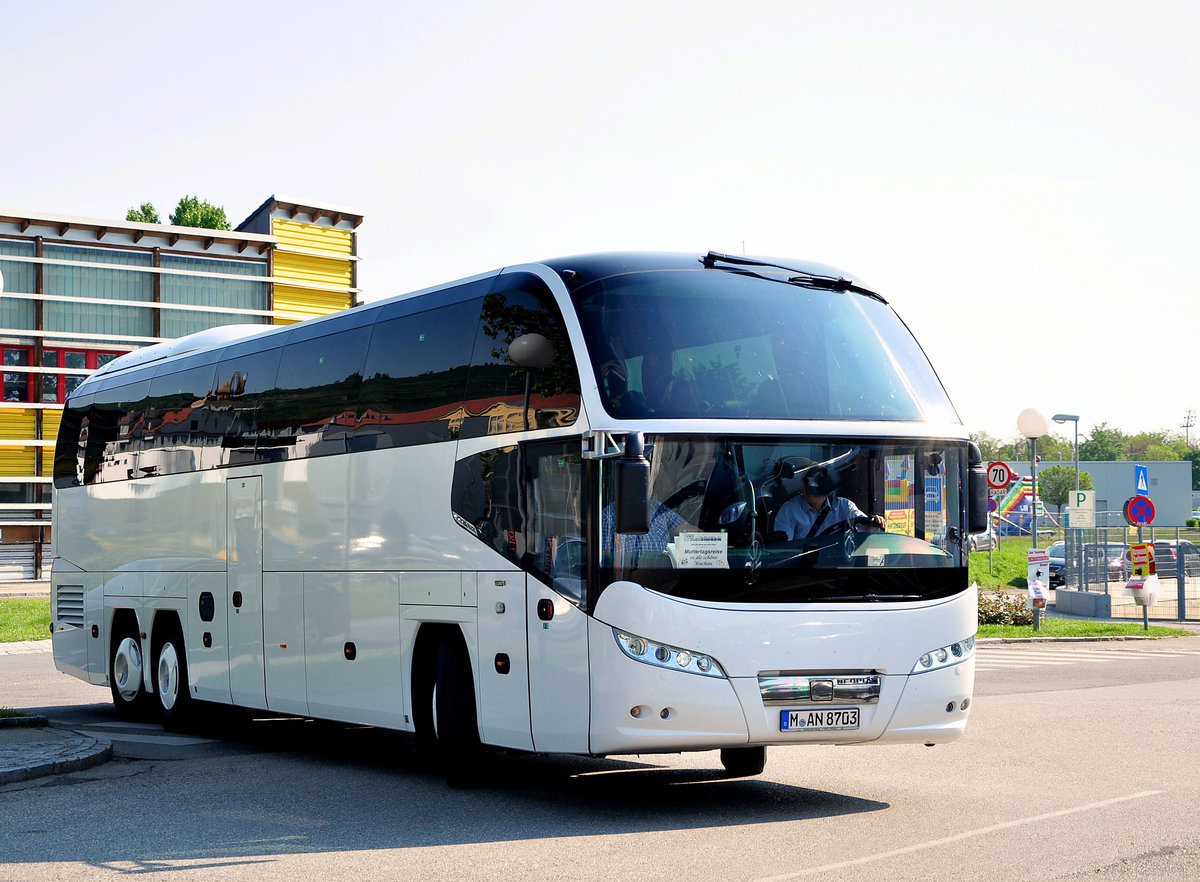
[1016,178]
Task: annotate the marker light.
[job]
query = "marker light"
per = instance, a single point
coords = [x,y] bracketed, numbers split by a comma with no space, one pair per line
[945,656]
[660,655]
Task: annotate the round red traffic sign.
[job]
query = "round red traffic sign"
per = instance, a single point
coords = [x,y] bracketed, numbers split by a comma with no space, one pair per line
[1138,511]
[999,475]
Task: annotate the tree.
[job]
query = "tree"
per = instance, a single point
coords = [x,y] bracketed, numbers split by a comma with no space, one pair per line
[1056,483]
[195,212]
[1194,456]
[145,213]
[1105,445]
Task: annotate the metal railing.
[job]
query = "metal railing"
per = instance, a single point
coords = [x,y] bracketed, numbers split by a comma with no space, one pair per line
[1096,560]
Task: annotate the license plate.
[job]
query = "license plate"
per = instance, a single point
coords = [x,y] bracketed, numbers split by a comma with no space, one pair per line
[818,720]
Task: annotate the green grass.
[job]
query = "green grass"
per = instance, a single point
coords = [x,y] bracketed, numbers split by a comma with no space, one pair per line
[24,618]
[1009,564]
[12,712]
[1052,627]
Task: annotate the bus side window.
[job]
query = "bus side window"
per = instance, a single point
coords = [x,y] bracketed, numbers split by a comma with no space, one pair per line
[244,384]
[416,371]
[524,504]
[554,491]
[495,398]
[486,498]
[317,392]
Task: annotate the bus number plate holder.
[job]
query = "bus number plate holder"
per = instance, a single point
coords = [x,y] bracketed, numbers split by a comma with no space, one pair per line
[822,720]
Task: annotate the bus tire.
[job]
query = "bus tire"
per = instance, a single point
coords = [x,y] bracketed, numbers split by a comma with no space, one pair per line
[743,762]
[171,678]
[456,723]
[125,669]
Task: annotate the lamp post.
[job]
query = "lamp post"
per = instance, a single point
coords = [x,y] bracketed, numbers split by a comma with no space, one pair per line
[1032,423]
[1061,418]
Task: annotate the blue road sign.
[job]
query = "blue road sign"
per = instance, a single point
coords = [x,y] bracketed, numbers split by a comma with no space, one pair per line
[1141,480]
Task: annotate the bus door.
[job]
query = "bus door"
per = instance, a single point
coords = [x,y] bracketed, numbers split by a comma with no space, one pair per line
[503,660]
[559,686]
[244,544]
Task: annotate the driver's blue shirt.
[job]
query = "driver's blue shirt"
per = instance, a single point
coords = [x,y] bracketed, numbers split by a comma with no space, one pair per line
[797,517]
[664,522]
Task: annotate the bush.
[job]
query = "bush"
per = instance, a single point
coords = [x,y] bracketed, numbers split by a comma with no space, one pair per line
[1004,609]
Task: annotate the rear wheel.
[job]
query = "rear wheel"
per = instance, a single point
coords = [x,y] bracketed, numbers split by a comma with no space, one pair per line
[171,680]
[455,722]
[743,762]
[125,670]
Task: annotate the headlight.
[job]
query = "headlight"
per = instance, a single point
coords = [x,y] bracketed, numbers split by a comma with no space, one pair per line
[945,656]
[660,655]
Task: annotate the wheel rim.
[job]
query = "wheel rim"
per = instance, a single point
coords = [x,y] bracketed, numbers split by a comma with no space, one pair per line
[168,676]
[127,668]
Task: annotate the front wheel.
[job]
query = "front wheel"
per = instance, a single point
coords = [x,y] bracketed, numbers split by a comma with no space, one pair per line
[743,762]
[455,721]
[171,681]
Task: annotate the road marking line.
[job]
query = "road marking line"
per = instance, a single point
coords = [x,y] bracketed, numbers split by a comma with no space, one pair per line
[959,837]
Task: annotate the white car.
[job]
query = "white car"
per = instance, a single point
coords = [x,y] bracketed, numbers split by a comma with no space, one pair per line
[983,541]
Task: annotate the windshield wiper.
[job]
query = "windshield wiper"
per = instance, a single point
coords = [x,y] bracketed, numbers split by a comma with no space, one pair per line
[812,280]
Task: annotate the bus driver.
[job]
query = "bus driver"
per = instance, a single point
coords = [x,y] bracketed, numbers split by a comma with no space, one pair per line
[817,508]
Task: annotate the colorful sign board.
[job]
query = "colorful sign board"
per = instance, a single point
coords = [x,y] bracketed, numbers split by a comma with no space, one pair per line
[1141,559]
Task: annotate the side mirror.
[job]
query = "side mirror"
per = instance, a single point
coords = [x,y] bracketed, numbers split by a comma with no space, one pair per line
[531,352]
[633,487]
[977,490]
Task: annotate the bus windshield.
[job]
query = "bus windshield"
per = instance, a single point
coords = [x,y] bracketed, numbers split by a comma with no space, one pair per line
[788,520]
[712,343]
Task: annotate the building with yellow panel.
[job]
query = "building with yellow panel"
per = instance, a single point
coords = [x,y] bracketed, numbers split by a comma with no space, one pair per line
[77,292]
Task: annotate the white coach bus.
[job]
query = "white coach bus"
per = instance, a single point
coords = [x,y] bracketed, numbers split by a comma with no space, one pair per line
[609,504]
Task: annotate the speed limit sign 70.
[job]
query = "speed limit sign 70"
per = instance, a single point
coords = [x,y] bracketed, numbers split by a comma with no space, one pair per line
[999,475]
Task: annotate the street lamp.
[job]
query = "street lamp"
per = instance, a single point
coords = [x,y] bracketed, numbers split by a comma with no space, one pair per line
[1071,418]
[1032,423]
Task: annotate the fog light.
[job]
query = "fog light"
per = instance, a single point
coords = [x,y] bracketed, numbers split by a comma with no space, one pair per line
[683,658]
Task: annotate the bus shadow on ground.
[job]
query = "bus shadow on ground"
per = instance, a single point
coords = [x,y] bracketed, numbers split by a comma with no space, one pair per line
[291,786]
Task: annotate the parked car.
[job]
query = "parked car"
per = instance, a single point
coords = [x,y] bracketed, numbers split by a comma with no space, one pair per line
[983,541]
[1114,559]
[1058,563]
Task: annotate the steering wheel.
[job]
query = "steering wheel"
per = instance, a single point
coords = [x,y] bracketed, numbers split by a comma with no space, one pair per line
[856,524]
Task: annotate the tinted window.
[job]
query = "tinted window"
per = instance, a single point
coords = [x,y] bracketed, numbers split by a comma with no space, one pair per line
[316,395]
[178,422]
[526,504]
[416,370]
[238,404]
[114,432]
[495,397]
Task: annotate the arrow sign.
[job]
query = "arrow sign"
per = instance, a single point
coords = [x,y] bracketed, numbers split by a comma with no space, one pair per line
[1141,480]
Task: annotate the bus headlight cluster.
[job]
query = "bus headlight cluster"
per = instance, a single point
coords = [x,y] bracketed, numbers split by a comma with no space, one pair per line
[670,657]
[945,656]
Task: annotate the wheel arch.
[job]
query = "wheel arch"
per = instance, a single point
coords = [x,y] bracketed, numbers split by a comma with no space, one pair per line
[430,636]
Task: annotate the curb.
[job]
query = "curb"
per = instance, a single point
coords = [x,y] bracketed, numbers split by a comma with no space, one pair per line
[35,721]
[62,751]
[1098,639]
